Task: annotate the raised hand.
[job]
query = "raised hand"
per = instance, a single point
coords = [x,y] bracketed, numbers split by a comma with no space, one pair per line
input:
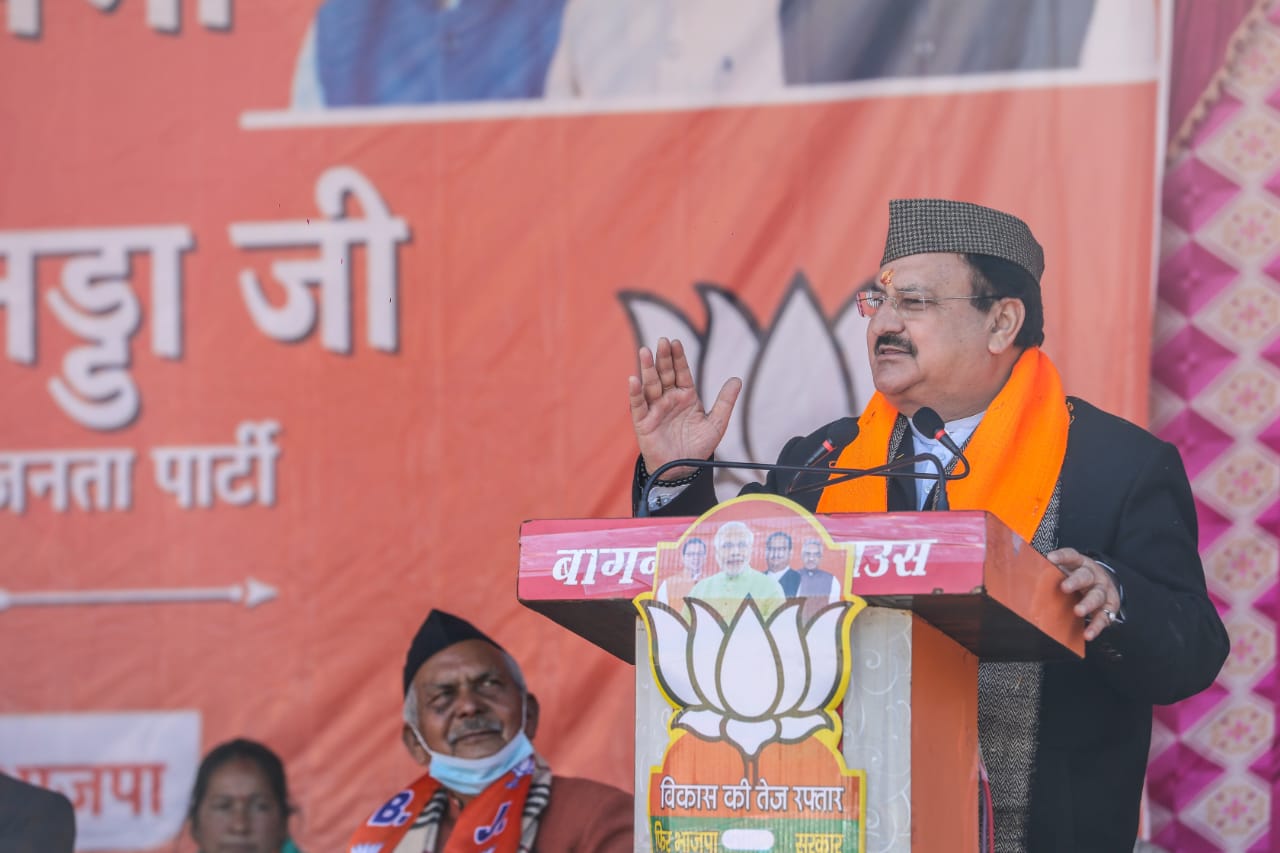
[667,413]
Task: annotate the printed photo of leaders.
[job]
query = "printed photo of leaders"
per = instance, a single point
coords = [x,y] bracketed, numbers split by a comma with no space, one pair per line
[360,53]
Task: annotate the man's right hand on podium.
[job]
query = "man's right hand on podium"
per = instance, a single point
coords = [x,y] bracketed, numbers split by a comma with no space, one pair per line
[667,413]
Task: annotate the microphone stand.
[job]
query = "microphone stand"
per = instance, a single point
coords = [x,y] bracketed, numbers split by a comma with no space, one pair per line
[642,509]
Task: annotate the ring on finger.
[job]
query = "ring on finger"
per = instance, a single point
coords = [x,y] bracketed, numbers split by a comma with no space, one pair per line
[1111,617]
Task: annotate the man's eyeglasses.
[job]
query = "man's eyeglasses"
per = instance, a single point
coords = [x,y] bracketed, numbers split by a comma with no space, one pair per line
[907,305]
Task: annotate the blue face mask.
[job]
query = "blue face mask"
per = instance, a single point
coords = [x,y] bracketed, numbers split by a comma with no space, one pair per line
[470,776]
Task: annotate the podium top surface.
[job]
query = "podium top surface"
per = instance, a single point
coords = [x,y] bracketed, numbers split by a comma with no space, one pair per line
[964,571]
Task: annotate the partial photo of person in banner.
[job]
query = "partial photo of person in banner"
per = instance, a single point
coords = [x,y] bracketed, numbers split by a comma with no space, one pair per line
[387,52]
[34,819]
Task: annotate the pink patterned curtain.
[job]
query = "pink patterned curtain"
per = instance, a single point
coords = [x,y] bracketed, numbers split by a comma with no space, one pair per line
[1216,394]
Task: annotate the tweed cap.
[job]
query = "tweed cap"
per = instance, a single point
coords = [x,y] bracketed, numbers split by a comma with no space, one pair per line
[439,631]
[921,225]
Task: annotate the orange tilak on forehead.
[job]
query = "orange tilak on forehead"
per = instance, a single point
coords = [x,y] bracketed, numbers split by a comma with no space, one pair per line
[886,277]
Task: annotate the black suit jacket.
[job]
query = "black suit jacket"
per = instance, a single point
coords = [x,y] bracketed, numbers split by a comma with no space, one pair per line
[1126,500]
[790,582]
[34,820]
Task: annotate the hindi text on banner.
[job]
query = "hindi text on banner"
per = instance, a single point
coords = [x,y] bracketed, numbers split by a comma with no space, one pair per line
[330,273]
[97,304]
[199,476]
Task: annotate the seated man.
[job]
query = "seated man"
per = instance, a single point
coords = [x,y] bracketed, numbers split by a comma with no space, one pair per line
[955,324]
[468,717]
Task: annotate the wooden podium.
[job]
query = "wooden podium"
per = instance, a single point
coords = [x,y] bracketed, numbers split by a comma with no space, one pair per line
[944,590]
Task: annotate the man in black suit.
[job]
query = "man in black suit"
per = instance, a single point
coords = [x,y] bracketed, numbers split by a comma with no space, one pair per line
[955,324]
[34,820]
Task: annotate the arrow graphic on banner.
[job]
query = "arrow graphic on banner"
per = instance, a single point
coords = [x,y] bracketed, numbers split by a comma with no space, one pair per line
[251,593]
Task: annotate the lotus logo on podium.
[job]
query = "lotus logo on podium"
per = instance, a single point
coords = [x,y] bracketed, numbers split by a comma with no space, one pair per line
[753,760]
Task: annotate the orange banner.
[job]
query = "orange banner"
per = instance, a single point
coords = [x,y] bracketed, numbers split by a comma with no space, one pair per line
[276,382]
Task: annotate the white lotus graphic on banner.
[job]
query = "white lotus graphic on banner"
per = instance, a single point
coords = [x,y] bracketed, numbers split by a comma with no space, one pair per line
[750,682]
[799,373]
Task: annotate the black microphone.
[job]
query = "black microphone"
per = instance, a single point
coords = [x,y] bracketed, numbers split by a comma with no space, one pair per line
[928,422]
[840,435]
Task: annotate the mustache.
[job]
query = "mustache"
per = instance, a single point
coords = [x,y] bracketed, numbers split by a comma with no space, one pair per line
[474,726]
[897,342]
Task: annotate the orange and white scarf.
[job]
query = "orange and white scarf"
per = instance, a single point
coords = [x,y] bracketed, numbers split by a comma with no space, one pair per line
[1029,412]
[500,819]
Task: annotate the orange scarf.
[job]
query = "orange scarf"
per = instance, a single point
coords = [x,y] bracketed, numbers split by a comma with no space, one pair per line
[1029,412]
[490,822]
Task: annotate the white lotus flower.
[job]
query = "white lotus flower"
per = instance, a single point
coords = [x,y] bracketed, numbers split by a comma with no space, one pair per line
[752,682]
[799,373]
